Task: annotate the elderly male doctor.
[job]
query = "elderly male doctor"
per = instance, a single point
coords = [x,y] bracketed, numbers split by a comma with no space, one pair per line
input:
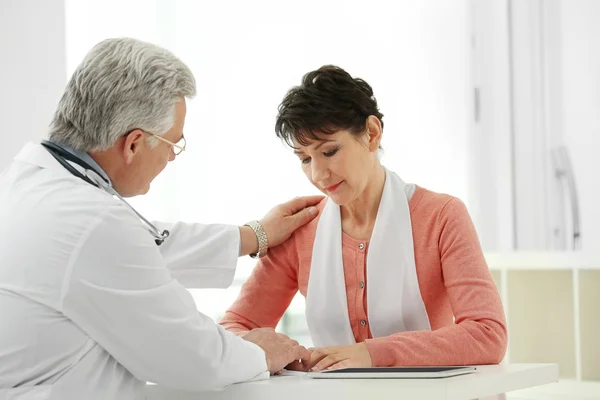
[92,298]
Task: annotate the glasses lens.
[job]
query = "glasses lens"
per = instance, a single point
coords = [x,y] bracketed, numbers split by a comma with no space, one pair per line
[180,146]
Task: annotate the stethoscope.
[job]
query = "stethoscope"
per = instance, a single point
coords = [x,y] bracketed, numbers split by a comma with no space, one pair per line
[94,178]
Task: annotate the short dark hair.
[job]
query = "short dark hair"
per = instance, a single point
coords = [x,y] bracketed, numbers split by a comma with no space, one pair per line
[327,100]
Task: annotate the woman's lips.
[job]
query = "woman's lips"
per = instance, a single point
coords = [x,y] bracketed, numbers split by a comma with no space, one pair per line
[332,188]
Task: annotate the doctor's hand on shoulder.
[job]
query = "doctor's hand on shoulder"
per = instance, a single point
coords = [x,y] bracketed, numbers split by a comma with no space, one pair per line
[283,220]
[279,223]
[279,349]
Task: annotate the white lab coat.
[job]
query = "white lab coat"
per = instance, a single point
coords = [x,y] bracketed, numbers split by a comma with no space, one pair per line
[91,308]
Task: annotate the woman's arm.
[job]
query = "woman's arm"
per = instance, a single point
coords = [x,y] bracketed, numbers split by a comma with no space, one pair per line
[479,334]
[266,295]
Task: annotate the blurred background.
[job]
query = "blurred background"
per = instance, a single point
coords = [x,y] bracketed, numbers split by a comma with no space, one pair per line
[496,102]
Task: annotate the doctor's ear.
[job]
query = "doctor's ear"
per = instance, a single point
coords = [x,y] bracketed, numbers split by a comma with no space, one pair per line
[132,144]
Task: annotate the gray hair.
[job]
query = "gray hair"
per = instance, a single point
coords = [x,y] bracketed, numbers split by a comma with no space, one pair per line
[121,85]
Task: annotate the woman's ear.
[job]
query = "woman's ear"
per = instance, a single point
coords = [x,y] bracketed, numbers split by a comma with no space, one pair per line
[132,145]
[374,132]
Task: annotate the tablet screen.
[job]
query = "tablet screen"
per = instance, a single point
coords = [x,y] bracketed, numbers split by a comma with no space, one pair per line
[393,369]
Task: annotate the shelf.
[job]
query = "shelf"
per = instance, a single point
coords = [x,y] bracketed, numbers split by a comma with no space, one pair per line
[555,260]
[540,319]
[589,301]
[561,390]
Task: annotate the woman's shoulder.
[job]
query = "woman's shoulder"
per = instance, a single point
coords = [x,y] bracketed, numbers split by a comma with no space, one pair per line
[304,236]
[425,202]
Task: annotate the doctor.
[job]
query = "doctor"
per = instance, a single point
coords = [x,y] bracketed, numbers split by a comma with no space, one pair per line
[92,297]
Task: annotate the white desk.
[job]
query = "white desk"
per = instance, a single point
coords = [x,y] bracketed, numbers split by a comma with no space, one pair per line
[489,380]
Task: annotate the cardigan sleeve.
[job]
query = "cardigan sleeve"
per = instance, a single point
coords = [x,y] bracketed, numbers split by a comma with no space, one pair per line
[479,334]
[268,292]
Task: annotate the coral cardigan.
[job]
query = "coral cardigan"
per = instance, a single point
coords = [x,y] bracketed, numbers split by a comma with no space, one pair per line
[463,304]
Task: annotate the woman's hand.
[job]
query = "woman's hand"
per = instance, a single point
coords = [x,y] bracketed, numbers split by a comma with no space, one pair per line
[336,357]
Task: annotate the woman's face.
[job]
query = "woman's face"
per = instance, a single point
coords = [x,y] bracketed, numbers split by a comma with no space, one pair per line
[341,164]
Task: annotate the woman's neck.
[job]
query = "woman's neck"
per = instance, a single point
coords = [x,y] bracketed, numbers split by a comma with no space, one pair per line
[358,217]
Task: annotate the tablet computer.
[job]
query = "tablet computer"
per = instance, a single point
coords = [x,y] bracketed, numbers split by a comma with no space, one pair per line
[393,372]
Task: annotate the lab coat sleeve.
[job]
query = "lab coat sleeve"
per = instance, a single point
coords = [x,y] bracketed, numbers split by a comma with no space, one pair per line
[201,256]
[120,292]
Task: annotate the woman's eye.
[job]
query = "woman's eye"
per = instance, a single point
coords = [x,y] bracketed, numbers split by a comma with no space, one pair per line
[331,153]
[306,160]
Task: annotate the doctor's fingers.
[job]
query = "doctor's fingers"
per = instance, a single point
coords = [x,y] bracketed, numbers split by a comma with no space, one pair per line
[299,353]
[263,330]
[301,218]
[315,357]
[300,203]
[284,337]
[280,356]
[296,366]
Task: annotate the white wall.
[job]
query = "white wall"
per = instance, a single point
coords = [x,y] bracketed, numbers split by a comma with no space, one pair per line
[32,70]
[490,142]
[561,40]
[580,47]
[246,55]
[537,66]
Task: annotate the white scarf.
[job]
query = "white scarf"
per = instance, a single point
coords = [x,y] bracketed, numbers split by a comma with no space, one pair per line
[393,297]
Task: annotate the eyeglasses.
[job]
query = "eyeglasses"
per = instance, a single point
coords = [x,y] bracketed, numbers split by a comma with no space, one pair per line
[178,147]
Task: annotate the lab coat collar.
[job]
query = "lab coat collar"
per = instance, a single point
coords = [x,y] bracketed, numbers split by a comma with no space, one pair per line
[35,154]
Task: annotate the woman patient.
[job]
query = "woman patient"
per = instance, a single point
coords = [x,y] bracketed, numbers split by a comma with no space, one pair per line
[393,274]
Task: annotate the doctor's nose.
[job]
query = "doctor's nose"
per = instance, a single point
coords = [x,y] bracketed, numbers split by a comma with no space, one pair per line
[172,155]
